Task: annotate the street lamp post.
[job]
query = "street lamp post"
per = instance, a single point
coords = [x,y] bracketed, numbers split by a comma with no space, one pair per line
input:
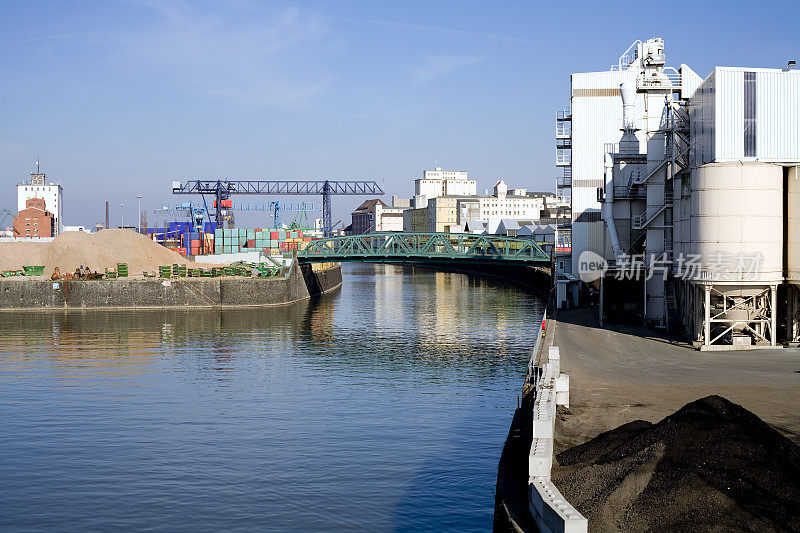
[139,197]
[122,214]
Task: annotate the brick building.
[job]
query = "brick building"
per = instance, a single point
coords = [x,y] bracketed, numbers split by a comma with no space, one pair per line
[34,220]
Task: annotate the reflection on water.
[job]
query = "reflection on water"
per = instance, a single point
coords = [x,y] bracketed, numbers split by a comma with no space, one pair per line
[381,406]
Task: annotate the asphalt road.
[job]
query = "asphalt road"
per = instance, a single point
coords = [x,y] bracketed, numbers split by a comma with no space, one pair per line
[623,374]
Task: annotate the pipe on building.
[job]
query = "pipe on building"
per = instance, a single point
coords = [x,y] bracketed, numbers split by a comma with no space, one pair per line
[627,91]
[606,209]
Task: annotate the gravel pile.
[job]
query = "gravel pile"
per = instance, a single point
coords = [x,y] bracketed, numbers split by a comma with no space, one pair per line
[710,466]
[98,250]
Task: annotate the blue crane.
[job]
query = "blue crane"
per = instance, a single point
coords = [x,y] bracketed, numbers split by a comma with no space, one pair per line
[222,189]
[276,207]
[196,212]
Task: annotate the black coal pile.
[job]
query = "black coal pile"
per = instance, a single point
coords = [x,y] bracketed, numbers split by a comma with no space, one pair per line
[711,466]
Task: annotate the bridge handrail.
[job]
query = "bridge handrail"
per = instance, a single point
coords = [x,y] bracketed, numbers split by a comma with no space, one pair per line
[432,234]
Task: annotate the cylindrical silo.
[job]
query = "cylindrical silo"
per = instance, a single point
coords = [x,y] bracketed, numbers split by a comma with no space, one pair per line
[737,222]
[793,227]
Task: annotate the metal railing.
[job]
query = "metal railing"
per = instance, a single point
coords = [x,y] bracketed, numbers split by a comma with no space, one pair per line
[626,191]
[563,129]
[564,143]
[668,78]
[638,177]
[627,57]
[643,220]
[563,158]
[564,114]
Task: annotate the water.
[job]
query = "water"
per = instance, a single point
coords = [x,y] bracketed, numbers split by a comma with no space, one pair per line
[383,406]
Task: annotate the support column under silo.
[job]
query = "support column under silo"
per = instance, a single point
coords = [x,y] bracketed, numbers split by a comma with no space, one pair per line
[773,325]
[707,315]
[793,313]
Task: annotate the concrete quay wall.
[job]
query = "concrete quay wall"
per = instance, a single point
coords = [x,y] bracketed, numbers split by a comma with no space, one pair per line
[301,283]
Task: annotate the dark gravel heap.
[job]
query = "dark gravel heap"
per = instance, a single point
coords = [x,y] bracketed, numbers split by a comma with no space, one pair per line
[710,466]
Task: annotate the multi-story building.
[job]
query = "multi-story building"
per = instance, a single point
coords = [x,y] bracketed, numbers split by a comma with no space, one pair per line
[374,215]
[438,182]
[509,204]
[38,187]
[363,218]
[34,221]
[446,200]
[443,214]
[415,220]
[388,218]
[592,123]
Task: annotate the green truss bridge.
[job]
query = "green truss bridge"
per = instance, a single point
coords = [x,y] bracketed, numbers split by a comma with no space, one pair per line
[452,248]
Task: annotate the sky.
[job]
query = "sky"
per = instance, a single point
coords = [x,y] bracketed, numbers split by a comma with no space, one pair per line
[123,97]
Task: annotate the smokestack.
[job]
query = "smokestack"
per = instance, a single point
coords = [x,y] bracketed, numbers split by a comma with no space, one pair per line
[106,226]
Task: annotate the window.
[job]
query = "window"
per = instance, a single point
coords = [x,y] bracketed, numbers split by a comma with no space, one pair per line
[749,114]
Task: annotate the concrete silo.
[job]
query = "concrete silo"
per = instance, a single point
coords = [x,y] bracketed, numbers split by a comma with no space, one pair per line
[735,254]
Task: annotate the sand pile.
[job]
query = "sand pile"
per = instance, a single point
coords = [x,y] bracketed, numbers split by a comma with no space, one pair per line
[710,466]
[97,251]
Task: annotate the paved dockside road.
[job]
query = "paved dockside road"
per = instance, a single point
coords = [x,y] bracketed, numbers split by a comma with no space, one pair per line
[620,374]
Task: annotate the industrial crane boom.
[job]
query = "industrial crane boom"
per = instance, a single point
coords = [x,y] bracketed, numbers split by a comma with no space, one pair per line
[222,189]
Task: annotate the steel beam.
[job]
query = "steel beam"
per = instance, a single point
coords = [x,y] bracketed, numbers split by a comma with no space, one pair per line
[222,189]
[415,247]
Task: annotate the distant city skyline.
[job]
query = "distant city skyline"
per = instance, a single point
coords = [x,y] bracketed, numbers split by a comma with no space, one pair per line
[120,98]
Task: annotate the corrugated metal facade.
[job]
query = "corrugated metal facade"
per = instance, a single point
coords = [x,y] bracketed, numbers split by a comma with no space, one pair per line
[717,112]
[728,96]
[778,115]
[596,120]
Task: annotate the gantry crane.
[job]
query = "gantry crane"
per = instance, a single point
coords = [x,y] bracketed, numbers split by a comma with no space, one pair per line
[222,189]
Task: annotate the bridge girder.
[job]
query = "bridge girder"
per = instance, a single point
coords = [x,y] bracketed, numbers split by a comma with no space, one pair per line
[400,247]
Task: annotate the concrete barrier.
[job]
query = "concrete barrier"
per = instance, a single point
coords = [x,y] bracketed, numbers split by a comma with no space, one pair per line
[551,512]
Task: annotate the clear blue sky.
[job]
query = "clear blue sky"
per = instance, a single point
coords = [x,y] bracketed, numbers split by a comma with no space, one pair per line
[122,97]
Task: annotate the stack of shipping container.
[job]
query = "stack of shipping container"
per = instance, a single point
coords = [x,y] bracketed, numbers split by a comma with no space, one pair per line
[269,241]
[181,237]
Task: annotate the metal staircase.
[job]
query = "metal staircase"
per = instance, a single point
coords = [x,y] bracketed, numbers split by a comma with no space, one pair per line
[643,220]
[671,304]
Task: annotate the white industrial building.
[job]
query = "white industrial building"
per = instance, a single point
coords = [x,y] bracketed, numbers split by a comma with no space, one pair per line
[505,203]
[38,187]
[438,182]
[681,185]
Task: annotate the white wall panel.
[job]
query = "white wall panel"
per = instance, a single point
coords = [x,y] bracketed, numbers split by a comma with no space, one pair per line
[778,115]
[729,114]
[717,116]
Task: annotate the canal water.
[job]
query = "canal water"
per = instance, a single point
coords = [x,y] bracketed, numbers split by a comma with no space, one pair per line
[382,406]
